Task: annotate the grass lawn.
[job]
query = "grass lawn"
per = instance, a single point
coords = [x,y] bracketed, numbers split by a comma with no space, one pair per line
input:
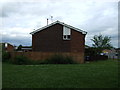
[100,74]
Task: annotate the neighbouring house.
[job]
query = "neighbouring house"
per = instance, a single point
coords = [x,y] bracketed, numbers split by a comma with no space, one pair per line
[112,53]
[106,51]
[58,37]
[7,47]
[26,48]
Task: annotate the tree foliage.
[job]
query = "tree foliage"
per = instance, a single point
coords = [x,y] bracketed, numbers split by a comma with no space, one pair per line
[19,47]
[101,42]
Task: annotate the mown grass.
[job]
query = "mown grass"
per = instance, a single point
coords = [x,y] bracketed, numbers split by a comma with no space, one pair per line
[100,74]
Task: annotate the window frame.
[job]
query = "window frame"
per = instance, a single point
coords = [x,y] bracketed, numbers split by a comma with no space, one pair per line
[66,35]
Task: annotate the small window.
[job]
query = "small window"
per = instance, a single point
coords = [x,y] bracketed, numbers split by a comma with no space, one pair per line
[66,37]
[66,33]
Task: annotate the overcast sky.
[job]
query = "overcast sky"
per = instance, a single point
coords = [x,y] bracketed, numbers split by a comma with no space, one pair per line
[19,18]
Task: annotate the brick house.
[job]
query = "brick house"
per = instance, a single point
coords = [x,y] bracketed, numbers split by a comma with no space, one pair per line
[112,53]
[7,47]
[58,37]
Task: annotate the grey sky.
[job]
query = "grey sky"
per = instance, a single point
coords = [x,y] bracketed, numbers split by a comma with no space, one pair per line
[20,18]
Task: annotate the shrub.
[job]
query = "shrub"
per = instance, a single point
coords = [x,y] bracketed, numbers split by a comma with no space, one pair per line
[59,59]
[55,59]
[70,60]
[22,60]
[5,56]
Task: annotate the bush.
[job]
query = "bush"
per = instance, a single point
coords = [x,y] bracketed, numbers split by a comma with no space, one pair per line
[22,60]
[56,59]
[59,59]
[5,56]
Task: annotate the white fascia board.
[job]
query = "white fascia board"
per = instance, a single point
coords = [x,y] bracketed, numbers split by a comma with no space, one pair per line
[79,30]
[44,27]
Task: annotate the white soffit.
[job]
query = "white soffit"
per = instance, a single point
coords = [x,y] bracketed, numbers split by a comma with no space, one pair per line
[71,27]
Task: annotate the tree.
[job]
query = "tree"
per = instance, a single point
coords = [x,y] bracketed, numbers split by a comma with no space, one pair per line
[19,47]
[101,42]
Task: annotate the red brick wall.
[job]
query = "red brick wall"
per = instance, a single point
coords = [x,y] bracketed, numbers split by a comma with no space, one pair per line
[51,40]
[77,41]
[78,57]
[10,48]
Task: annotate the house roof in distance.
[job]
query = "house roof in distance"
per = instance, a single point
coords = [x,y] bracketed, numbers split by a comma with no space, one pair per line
[69,26]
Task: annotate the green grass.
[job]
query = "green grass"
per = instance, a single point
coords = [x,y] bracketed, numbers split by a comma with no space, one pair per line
[100,74]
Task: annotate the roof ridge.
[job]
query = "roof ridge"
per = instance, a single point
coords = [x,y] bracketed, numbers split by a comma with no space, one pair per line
[69,26]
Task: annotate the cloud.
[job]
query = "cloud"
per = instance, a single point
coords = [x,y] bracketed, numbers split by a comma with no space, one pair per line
[9,8]
[20,18]
[17,40]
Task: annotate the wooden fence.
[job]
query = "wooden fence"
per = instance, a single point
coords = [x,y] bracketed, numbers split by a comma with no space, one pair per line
[78,57]
[96,57]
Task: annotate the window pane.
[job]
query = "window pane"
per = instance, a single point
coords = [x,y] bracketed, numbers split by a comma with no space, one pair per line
[68,36]
[65,36]
[66,31]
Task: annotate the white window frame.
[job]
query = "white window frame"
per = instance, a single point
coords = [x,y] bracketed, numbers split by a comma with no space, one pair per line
[66,33]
